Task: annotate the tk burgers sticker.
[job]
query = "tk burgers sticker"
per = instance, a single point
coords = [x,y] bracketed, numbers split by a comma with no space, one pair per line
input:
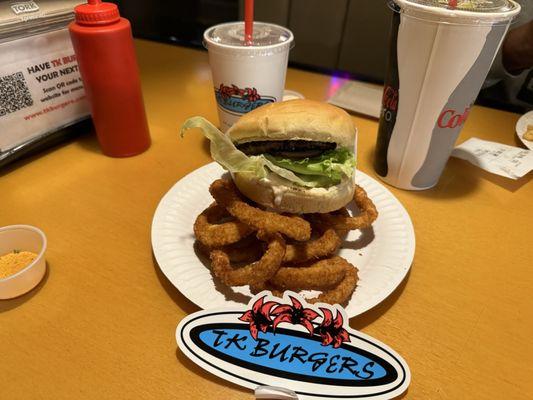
[287,343]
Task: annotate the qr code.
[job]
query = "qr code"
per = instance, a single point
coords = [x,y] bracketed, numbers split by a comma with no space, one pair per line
[14,93]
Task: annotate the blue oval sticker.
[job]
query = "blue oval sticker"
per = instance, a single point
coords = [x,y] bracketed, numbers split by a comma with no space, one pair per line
[270,343]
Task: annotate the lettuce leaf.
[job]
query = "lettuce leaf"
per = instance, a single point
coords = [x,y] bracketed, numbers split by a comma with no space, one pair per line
[333,164]
[323,171]
[223,150]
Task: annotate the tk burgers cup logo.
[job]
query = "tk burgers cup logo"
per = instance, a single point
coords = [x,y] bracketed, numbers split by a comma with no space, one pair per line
[288,343]
[240,101]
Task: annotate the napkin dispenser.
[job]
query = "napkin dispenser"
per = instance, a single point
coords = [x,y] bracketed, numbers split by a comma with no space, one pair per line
[42,98]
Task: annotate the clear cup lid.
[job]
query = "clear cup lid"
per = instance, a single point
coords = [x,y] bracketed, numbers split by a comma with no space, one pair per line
[264,34]
[482,6]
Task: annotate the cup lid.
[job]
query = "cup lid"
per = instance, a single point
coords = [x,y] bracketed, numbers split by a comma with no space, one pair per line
[232,34]
[481,6]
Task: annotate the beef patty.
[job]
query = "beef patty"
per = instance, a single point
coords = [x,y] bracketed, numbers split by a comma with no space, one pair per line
[286,148]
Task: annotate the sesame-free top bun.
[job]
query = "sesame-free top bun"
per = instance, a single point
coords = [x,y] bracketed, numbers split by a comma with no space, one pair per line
[296,119]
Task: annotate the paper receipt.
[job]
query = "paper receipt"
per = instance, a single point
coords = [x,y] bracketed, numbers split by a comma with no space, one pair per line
[501,159]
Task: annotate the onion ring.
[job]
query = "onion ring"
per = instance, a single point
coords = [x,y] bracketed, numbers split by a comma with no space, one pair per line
[325,245]
[342,293]
[253,273]
[216,235]
[341,222]
[248,250]
[323,274]
[226,194]
[337,273]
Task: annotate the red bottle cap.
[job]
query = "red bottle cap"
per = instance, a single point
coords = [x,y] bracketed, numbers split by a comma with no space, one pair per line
[96,13]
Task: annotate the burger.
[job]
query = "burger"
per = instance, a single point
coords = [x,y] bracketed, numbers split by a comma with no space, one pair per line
[295,156]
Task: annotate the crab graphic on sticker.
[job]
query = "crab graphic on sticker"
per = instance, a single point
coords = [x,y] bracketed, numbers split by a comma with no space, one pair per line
[308,349]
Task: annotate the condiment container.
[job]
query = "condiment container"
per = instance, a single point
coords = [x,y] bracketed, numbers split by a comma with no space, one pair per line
[103,44]
[23,238]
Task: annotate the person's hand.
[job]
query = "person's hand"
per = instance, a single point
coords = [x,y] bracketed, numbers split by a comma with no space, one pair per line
[517,49]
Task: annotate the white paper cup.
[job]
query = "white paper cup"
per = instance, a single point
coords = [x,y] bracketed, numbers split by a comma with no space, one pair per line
[24,238]
[438,61]
[247,77]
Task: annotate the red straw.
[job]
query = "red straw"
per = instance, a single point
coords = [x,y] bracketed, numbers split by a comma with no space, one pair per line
[248,21]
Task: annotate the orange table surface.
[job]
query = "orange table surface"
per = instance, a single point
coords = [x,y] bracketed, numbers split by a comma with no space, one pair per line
[101,325]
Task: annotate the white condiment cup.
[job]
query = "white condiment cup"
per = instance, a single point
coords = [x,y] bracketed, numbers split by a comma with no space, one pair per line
[23,238]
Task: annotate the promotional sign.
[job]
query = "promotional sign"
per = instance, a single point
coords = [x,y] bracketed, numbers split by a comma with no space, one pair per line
[40,87]
[287,343]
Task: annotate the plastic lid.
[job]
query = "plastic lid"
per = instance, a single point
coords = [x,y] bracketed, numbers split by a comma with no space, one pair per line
[486,6]
[232,34]
[96,13]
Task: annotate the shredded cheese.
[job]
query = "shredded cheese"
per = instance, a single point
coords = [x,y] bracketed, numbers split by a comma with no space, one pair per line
[13,262]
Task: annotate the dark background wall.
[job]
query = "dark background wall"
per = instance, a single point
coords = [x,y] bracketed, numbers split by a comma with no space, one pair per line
[348,38]
[331,36]
[177,21]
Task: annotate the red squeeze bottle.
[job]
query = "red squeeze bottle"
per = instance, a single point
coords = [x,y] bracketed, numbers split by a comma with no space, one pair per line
[104,48]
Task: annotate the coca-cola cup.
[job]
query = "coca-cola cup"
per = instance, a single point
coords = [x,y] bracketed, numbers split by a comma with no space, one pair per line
[247,76]
[440,54]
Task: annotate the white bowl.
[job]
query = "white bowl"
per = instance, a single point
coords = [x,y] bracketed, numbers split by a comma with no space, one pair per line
[24,238]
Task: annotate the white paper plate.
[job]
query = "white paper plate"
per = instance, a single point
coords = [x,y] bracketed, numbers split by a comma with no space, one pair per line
[383,254]
[521,127]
